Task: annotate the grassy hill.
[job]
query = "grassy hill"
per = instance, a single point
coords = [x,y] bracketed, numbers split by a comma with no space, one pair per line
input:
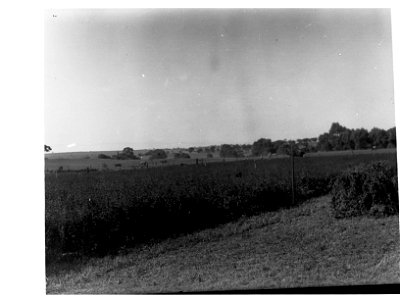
[299,247]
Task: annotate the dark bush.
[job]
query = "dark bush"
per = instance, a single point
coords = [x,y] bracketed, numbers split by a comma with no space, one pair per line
[157,154]
[103,156]
[181,155]
[367,189]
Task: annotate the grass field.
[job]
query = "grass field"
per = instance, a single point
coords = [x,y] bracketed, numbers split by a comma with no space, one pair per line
[297,247]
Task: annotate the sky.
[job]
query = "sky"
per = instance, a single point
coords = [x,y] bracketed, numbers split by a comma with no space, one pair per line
[166,78]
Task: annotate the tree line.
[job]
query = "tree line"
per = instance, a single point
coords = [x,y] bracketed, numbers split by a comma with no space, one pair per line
[336,139]
[342,138]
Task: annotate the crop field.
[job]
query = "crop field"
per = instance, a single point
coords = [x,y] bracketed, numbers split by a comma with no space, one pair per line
[303,246]
[91,212]
[92,215]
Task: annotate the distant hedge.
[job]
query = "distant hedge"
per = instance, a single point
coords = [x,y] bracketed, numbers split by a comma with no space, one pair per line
[367,189]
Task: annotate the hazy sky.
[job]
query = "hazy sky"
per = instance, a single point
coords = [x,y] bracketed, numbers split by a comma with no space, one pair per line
[180,78]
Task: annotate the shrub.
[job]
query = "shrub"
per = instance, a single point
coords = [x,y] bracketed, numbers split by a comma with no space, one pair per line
[367,189]
[103,156]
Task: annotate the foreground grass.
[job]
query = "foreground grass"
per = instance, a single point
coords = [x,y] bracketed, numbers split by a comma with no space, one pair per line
[298,247]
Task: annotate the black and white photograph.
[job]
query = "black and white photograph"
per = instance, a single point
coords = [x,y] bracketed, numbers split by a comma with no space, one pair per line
[219,151]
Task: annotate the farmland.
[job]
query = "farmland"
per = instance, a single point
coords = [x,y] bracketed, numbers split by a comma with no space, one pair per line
[299,247]
[90,215]
[75,161]
[89,212]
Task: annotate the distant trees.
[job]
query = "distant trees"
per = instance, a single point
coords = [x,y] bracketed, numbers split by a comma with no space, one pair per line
[127,153]
[307,145]
[231,151]
[360,139]
[181,155]
[247,147]
[342,138]
[262,147]
[337,138]
[324,143]
[379,138]
[157,154]
[392,137]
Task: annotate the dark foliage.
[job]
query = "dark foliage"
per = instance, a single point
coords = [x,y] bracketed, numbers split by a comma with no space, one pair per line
[231,151]
[263,147]
[342,138]
[367,189]
[181,155]
[127,153]
[157,154]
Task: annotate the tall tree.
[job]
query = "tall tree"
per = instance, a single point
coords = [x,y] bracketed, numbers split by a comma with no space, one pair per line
[361,139]
[336,129]
[262,147]
[379,138]
[391,137]
[324,142]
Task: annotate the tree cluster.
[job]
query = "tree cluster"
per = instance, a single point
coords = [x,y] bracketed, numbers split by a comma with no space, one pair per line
[127,153]
[157,154]
[342,138]
[181,155]
[338,138]
[231,151]
[266,147]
